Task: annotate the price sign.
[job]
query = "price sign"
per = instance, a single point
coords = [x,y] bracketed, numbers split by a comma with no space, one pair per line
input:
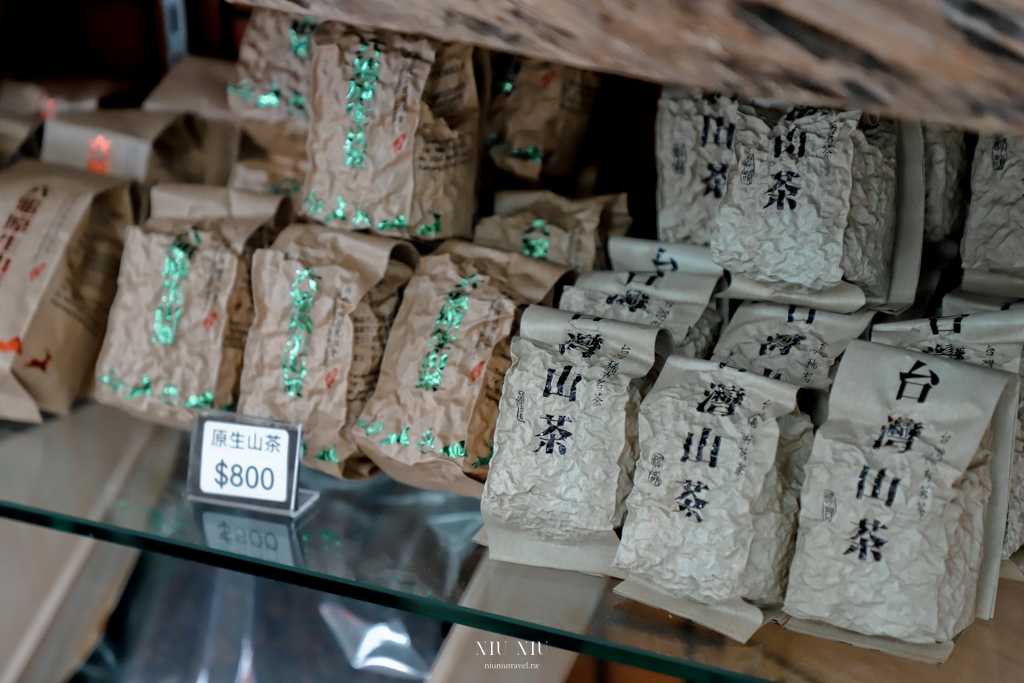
[244,461]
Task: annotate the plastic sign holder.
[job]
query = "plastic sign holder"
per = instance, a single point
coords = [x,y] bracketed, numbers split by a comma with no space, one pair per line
[247,462]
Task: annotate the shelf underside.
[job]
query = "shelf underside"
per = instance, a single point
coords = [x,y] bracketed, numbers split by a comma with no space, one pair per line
[101,473]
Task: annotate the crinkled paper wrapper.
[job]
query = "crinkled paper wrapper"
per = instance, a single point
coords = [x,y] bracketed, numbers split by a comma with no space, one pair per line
[696,147]
[615,218]
[945,164]
[376,270]
[417,172]
[564,448]
[198,85]
[783,221]
[546,111]
[154,381]
[144,146]
[270,75]
[441,438]
[567,236]
[320,402]
[792,343]
[693,325]
[245,221]
[915,576]
[994,232]
[709,484]
[57,276]
[273,174]
[996,339]
[871,222]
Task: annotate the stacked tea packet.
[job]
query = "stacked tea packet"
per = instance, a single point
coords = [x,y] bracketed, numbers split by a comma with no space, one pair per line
[198,86]
[993,234]
[178,326]
[405,161]
[147,147]
[713,510]
[538,116]
[271,91]
[796,344]
[892,511]
[431,420]
[60,246]
[696,151]
[548,226]
[945,151]
[310,291]
[565,443]
[993,339]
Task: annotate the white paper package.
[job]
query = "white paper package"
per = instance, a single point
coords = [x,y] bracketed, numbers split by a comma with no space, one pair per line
[564,446]
[994,339]
[783,218]
[708,519]
[994,231]
[647,299]
[945,165]
[695,152]
[891,529]
[792,343]
[871,223]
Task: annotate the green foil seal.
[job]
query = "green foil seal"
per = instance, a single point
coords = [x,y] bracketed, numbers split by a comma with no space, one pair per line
[299,35]
[430,229]
[365,72]
[535,240]
[203,400]
[175,271]
[300,327]
[447,323]
[327,455]
[457,450]
[400,439]
[400,222]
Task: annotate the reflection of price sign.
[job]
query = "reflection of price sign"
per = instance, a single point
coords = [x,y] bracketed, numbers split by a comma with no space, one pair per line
[256,538]
[246,462]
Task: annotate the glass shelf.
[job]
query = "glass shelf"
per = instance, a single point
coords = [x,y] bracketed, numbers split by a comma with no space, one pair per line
[103,474]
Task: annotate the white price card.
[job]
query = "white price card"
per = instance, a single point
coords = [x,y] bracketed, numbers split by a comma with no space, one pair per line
[244,461]
[255,538]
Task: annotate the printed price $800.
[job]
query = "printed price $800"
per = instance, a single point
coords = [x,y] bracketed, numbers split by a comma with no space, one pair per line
[248,477]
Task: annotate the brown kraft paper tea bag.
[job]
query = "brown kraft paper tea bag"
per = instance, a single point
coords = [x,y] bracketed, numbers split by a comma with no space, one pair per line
[553,228]
[430,421]
[993,340]
[615,218]
[792,343]
[298,353]
[403,168]
[891,532]
[381,267]
[539,116]
[198,86]
[245,221]
[60,247]
[162,354]
[144,146]
[709,521]
[564,447]
[271,90]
